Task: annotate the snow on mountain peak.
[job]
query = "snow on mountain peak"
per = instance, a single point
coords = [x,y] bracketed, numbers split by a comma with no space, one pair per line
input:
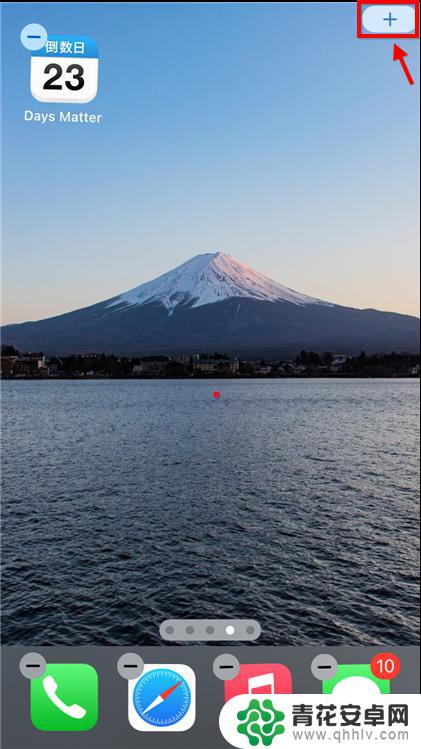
[209,278]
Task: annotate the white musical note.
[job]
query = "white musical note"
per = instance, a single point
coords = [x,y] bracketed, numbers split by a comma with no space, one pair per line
[259,682]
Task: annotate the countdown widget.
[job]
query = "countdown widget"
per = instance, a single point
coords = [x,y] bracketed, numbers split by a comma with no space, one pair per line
[65,70]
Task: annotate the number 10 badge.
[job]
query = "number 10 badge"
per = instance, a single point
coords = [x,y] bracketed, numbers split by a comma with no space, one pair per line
[65,70]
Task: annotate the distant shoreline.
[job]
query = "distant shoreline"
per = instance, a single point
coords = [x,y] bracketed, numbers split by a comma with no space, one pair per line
[330,376]
[217,366]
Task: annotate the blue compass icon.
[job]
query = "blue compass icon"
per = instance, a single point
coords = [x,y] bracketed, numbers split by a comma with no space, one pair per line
[161,697]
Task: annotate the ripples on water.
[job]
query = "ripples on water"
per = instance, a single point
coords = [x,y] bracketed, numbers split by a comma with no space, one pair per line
[127,502]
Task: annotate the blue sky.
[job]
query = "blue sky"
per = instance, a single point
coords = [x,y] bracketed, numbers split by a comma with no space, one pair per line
[267,131]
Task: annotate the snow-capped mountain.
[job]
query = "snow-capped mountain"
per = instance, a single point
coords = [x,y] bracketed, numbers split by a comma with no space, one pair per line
[213,302]
[210,278]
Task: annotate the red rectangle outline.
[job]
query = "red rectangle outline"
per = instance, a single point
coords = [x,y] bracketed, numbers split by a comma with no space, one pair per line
[415,34]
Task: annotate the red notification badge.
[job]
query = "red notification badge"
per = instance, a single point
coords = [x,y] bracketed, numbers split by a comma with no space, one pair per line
[385,666]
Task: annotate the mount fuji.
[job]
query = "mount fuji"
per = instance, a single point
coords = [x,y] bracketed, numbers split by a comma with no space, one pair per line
[211,302]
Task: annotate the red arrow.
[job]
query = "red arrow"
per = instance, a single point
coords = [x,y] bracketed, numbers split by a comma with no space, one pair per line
[399,54]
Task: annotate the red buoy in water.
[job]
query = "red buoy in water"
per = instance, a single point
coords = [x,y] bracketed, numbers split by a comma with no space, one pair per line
[216,394]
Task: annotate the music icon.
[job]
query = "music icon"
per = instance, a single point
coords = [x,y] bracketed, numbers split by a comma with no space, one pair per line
[260,678]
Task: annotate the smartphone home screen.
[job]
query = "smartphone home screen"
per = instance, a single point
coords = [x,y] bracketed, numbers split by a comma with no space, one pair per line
[210,375]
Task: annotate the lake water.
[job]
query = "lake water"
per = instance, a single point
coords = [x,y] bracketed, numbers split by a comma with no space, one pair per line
[294,502]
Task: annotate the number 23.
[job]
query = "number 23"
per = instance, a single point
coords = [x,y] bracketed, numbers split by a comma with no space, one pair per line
[75,84]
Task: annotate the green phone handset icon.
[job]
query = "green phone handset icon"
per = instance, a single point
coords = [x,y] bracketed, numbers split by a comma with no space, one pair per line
[65,698]
[73,711]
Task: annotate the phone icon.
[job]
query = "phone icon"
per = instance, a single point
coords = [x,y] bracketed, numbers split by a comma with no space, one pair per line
[73,711]
[65,698]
